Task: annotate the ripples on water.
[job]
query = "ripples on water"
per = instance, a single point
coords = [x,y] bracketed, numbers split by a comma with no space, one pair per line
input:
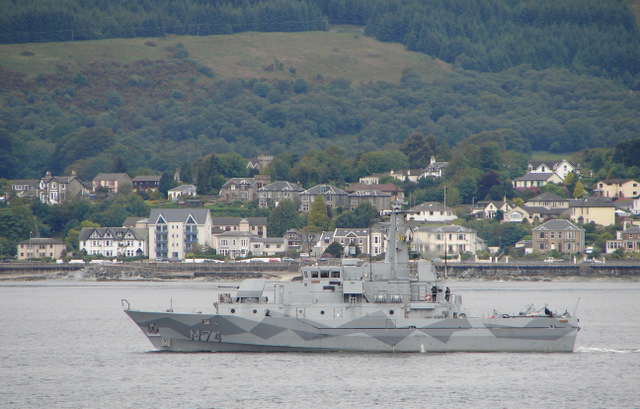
[68,345]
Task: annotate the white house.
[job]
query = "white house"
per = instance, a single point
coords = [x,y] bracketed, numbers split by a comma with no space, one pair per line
[182,191]
[114,241]
[430,212]
[561,168]
[240,244]
[452,239]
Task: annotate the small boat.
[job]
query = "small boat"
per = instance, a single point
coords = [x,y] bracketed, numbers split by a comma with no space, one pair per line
[395,305]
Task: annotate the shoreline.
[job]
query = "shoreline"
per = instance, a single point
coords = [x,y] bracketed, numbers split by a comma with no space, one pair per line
[83,275]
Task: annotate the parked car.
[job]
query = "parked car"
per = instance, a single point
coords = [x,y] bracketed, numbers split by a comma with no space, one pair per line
[552,260]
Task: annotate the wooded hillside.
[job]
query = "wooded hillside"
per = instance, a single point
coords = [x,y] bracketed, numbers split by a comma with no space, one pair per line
[157,103]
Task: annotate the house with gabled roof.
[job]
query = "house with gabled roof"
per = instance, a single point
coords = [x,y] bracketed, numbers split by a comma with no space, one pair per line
[489,209]
[561,168]
[354,241]
[627,239]
[182,192]
[253,225]
[627,188]
[112,181]
[516,215]
[259,163]
[59,189]
[243,189]
[114,241]
[541,214]
[146,182]
[379,200]
[332,196]
[430,212]
[411,175]
[434,169]
[396,193]
[174,232]
[450,239]
[548,200]
[536,180]
[25,188]
[558,234]
[240,244]
[40,247]
[272,194]
[598,210]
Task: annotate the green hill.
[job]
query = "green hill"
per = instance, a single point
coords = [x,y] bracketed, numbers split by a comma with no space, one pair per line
[340,53]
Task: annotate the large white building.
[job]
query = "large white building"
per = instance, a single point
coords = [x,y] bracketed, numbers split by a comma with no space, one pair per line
[441,240]
[114,241]
[430,212]
[174,232]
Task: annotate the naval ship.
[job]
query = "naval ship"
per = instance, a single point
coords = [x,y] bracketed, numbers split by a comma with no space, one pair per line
[395,305]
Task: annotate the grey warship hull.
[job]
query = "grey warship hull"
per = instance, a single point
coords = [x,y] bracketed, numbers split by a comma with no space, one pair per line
[224,333]
[397,305]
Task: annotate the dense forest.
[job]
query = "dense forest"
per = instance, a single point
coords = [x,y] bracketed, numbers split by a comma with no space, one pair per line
[140,113]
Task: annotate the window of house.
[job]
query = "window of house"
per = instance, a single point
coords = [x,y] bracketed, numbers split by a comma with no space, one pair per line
[542,235]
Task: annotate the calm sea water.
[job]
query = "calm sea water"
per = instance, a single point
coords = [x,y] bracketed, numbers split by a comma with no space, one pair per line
[67,344]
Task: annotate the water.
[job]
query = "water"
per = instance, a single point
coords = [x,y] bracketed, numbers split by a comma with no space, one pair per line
[67,344]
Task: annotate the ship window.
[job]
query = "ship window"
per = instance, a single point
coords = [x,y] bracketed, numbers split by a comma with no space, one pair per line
[314,274]
[306,274]
[335,274]
[324,274]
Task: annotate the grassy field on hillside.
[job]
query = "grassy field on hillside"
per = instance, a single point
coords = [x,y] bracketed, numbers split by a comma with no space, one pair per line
[334,54]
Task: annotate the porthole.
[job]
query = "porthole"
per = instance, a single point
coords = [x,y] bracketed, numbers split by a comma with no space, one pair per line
[391,312]
[233,311]
[322,312]
[254,311]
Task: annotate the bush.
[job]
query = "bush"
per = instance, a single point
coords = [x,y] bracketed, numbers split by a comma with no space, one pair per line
[206,71]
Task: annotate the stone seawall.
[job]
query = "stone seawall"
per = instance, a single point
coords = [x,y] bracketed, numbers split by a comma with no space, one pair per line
[496,271]
[145,271]
[280,270]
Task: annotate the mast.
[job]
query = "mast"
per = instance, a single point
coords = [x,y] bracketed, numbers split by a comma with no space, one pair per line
[444,212]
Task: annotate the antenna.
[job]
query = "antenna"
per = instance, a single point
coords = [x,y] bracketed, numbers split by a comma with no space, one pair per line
[576,309]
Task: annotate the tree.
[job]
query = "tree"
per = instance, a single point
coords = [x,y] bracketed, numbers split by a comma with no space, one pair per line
[578,191]
[417,150]
[318,216]
[72,236]
[166,183]
[335,249]
[360,217]
[283,217]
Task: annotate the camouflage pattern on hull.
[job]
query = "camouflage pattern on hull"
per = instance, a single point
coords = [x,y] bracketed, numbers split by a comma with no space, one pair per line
[222,333]
[398,305]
